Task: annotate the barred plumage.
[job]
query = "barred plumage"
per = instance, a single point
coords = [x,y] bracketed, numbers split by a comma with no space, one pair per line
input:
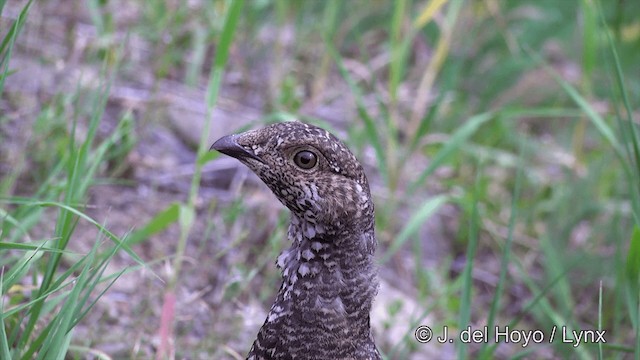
[329,277]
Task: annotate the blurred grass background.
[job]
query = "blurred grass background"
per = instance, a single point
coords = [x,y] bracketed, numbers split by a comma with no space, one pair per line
[500,138]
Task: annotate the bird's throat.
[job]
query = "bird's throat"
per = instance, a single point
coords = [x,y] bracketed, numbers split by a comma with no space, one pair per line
[334,277]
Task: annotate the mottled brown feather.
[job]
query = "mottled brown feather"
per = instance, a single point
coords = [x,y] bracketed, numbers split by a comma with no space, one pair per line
[329,277]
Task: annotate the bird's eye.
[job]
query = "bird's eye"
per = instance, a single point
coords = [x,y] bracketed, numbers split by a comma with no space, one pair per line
[305,159]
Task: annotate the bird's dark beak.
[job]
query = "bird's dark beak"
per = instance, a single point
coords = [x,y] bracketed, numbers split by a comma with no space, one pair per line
[229,145]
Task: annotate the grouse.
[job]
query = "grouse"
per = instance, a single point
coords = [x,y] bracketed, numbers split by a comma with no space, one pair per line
[329,278]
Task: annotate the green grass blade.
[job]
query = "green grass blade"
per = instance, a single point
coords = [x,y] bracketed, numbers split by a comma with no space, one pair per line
[6,47]
[222,53]
[56,344]
[600,318]
[88,292]
[4,342]
[600,124]
[464,318]
[80,214]
[632,270]
[369,123]
[413,225]
[633,260]
[457,140]
[398,50]
[604,129]
[20,268]
[589,43]
[95,278]
[15,246]
[79,177]
[56,288]
[157,224]
[506,253]
[628,129]
[215,81]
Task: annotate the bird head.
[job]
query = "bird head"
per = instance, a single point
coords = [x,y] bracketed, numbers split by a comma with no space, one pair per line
[309,170]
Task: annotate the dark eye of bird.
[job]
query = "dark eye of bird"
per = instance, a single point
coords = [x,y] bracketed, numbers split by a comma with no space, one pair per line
[305,159]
